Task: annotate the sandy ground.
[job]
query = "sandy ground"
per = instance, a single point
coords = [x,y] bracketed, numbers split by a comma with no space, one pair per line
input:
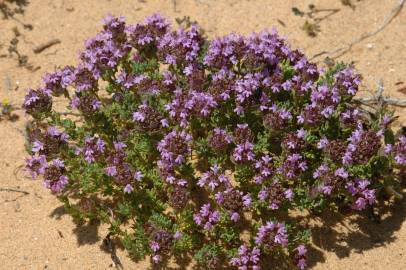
[35,233]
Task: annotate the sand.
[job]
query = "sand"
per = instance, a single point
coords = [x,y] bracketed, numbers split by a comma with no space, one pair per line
[35,232]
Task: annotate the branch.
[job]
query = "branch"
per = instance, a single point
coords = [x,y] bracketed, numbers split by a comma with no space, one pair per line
[14,190]
[379,99]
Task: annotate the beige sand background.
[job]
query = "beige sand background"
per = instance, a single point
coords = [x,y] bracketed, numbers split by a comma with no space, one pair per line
[35,233]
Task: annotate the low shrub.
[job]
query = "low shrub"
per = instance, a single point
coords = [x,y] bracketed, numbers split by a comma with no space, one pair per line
[190,147]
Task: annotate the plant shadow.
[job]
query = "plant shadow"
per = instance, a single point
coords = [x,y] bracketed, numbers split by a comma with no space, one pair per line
[356,233]
[331,232]
[86,233]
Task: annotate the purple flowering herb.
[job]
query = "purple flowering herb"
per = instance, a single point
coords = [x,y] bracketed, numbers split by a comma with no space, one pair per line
[244,153]
[182,84]
[299,256]
[37,102]
[293,166]
[94,149]
[275,195]
[36,165]
[399,151]
[214,179]
[206,217]
[272,234]
[219,140]
[233,201]
[48,143]
[362,195]
[147,118]
[247,258]
[54,176]
[265,169]
[174,147]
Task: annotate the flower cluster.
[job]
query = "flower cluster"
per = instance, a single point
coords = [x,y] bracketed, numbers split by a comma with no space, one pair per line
[272,235]
[207,218]
[233,201]
[54,176]
[400,151]
[275,195]
[186,145]
[214,178]
[247,259]
[118,168]
[48,143]
[363,195]
[219,139]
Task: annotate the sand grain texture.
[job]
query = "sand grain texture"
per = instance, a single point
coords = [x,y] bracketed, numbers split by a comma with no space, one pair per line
[35,233]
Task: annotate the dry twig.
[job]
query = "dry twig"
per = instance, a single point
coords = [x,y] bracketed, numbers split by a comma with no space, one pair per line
[14,190]
[46,45]
[111,248]
[378,99]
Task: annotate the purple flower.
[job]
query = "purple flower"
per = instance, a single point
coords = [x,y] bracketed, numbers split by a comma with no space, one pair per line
[54,176]
[272,234]
[156,258]
[147,118]
[37,146]
[265,169]
[347,82]
[220,139]
[128,189]
[242,134]
[341,172]
[86,103]
[275,195]
[322,143]
[147,33]
[128,80]
[174,147]
[244,153]
[138,176]
[180,46]
[206,218]
[247,258]
[277,119]
[360,193]
[214,178]
[117,165]
[293,166]
[37,102]
[111,171]
[36,165]
[178,235]
[399,151]
[234,201]
[294,142]
[300,256]
[57,82]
